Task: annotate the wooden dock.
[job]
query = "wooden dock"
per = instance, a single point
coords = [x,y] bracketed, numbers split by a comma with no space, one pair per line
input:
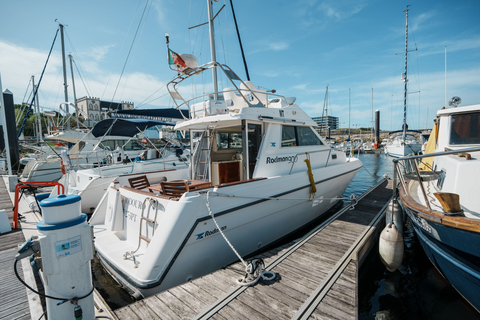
[14,303]
[316,277]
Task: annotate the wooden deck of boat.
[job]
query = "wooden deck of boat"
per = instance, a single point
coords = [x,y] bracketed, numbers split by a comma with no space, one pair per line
[14,303]
[316,277]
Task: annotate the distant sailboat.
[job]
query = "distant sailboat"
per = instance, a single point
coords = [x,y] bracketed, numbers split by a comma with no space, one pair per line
[403,143]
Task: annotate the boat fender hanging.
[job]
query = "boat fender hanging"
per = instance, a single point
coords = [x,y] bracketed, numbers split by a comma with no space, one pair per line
[390,247]
[313,188]
[62,167]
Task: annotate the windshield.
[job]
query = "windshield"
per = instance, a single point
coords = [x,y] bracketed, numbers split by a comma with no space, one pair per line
[465,129]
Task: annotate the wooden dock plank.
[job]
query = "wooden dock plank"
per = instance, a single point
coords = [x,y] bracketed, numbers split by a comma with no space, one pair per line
[14,303]
[177,306]
[160,308]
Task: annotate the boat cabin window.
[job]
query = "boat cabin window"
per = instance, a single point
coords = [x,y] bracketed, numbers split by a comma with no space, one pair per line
[131,145]
[228,140]
[465,129]
[113,144]
[293,136]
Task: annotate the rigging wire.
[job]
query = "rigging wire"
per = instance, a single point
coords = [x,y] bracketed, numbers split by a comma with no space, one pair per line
[75,53]
[123,44]
[145,102]
[136,49]
[36,89]
[81,78]
[130,50]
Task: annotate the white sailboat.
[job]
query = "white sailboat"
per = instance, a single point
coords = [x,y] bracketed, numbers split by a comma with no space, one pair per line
[403,143]
[92,182]
[258,172]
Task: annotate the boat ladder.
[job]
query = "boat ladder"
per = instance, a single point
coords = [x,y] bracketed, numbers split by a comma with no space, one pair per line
[151,203]
[202,157]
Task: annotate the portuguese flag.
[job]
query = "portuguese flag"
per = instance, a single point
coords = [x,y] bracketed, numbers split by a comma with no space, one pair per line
[174,58]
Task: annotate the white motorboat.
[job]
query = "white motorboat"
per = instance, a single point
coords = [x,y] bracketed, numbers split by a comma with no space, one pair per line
[258,172]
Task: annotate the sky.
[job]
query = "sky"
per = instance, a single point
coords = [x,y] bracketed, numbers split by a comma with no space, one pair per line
[298,48]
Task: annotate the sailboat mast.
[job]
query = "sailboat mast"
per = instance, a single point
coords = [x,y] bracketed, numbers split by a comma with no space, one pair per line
[38,131]
[64,74]
[348,114]
[74,93]
[405,79]
[212,48]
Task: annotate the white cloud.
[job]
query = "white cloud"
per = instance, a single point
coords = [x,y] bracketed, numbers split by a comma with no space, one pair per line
[278,46]
[19,63]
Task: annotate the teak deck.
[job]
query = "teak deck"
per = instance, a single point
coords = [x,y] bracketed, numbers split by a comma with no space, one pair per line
[316,278]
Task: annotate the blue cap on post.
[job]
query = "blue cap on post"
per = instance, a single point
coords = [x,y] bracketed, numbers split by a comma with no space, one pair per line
[60,200]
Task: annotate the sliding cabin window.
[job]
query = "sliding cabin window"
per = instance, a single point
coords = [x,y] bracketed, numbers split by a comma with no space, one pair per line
[293,136]
[228,140]
[465,129]
[123,144]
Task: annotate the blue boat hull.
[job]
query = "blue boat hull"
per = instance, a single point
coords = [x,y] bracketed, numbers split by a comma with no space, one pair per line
[454,253]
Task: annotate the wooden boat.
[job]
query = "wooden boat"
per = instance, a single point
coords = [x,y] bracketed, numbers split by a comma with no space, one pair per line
[439,194]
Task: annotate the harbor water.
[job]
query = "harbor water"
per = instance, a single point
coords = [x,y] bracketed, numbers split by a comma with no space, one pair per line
[416,290]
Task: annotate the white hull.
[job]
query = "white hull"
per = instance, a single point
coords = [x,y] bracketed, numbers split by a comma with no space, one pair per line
[182,248]
[401,150]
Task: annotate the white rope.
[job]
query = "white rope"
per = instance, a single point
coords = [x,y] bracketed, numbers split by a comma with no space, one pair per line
[254,269]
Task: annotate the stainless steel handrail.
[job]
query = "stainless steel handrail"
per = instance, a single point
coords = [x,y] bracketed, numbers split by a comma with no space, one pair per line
[317,151]
[412,159]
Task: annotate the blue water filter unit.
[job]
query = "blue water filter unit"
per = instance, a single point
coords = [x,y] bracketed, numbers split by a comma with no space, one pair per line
[66,245]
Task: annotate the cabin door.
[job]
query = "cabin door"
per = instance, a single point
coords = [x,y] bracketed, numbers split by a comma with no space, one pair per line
[254,141]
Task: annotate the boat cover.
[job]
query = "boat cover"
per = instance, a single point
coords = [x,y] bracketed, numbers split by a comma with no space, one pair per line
[161,114]
[125,127]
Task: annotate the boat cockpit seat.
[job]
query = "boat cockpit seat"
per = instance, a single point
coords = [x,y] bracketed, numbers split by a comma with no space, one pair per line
[174,188]
[140,183]
[246,90]
[232,99]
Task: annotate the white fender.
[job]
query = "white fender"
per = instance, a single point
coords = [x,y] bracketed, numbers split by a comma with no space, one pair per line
[391,247]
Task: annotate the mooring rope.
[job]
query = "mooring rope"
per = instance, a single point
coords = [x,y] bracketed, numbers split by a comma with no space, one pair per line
[254,269]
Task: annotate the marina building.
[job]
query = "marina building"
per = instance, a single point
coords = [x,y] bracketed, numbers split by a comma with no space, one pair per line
[325,122]
[93,109]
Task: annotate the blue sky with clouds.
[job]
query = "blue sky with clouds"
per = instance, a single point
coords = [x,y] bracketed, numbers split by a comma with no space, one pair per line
[296,47]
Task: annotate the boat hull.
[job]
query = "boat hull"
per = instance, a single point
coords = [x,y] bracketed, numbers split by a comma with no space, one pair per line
[398,151]
[250,222]
[454,252]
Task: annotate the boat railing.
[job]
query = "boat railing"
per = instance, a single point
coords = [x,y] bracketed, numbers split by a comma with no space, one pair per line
[409,168]
[295,159]
[252,97]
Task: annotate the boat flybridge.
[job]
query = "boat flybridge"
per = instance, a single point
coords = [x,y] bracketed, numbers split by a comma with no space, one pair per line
[259,171]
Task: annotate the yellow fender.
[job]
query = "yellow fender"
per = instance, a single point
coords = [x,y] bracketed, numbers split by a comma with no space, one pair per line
[313,188]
